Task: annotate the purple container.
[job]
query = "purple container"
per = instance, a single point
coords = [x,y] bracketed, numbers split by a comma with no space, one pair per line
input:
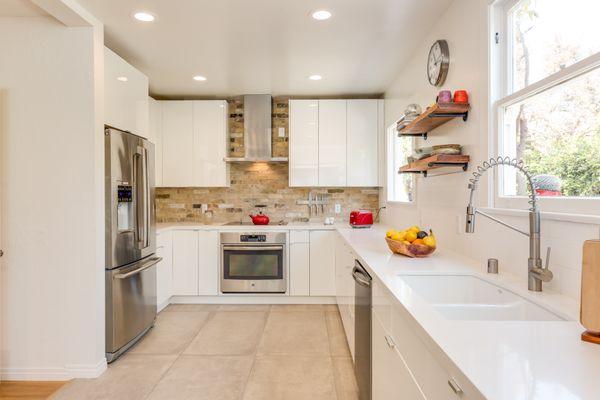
[445,96]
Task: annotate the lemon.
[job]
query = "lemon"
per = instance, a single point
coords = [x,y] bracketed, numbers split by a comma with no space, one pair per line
[414,229]
[429,241]
[396,236]
[411,236]
[402,235]
[390,233]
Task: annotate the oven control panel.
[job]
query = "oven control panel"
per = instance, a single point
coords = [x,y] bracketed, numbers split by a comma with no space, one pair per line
[253,238]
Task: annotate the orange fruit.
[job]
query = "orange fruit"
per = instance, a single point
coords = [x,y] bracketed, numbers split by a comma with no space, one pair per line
[418,241]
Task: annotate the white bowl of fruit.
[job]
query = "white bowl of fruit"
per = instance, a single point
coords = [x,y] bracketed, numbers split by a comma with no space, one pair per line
[411,242]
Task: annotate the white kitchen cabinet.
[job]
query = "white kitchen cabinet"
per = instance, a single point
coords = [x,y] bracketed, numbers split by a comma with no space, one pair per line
[344,287]
[164,269]
[210,144]
[155,136]
[299,269]
[391,378]
[125,95]
[304,143]
[194,141]
[322,263]
[185,262]
[332,143]
[178,143]
[208,263]
[381,142]
[362,143]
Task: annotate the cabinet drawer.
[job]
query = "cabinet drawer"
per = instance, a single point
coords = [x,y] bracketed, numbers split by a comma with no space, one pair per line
[299,237]
[427,370]
[164,240]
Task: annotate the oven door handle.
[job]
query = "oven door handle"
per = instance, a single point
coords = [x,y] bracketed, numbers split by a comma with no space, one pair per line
[258,248]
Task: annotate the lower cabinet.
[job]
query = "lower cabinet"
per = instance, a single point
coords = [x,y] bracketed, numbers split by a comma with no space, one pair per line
[195,262]
[391,378]
[322,263]
[344,288]
[299,269]
[164,269]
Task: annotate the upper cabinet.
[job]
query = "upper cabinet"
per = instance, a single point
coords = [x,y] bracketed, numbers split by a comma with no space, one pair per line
[155,136]
[304,143]
[125,95]
[192,141]
[336,143]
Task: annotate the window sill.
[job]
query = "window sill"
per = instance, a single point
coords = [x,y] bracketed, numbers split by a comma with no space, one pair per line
[555,216]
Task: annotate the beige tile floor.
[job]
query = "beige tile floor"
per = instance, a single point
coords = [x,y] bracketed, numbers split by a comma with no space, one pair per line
[231,352]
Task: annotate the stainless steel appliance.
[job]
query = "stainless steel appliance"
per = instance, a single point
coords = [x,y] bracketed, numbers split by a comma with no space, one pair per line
[130,240]
[362,329]
[253,262]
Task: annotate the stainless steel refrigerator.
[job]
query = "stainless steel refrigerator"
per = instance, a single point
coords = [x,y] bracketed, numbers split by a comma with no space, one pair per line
[130,240]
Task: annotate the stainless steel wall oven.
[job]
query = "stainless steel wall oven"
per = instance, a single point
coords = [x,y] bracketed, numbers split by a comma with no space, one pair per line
[253,262]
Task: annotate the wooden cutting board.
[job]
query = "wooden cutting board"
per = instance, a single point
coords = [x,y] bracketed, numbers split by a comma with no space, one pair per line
[590,291]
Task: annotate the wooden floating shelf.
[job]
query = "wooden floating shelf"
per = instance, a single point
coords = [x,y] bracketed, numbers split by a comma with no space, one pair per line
[434,162]
[434,116]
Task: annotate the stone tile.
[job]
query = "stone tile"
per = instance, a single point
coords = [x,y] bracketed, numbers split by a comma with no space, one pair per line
[295,333]
[244,307]
[297,307]
[338,343]
[131,377]
[190,307]
[204,378]
[229,333]
[172,333]
[291,378]
[345,380]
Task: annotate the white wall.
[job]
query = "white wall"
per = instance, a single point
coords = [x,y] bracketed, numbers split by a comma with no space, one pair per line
[52,199]
[441,201]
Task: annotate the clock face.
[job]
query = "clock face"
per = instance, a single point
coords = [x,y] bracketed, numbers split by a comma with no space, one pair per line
[438,62]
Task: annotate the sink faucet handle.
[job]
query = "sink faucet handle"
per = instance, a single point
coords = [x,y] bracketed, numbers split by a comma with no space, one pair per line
[548,257]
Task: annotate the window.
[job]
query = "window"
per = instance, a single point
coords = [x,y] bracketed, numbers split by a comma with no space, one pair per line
[400,187]
[547,70]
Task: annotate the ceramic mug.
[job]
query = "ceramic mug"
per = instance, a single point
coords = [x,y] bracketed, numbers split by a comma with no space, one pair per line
[445,96]
[461,96]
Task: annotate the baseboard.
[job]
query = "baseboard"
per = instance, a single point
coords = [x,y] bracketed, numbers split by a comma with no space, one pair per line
[252,299]
[161,306]
[54,374]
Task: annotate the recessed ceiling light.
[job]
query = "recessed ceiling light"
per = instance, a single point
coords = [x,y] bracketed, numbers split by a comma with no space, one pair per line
[315,77]
[144,16]
[199,78]
[122,78]
[321,15]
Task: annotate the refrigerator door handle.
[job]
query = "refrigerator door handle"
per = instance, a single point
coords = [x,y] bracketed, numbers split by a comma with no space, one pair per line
[145,266]
[142,193]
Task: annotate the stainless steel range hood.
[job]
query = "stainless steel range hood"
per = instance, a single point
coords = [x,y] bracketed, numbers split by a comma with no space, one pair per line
[257,131]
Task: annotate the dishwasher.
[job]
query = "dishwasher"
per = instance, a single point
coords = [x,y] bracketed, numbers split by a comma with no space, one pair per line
[362,329]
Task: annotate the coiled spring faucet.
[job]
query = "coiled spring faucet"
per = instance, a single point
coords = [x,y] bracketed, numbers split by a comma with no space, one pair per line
[536,273]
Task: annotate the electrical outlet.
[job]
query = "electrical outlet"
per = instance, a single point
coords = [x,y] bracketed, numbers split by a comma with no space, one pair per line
[281,132]
[204,208]
[338,208]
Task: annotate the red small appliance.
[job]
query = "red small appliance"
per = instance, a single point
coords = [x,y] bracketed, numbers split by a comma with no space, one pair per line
[361,219]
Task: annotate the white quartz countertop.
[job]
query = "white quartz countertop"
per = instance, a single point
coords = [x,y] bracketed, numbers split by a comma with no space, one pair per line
[505,360]
[161,227]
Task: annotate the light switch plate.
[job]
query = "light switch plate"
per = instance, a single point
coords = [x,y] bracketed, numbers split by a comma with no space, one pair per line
[281,132]
[338,208]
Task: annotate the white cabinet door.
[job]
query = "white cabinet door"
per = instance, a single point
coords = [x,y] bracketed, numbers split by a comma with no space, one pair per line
[178,143]
[164,269]
[332,143]
[381,142]
[362,143]
[304,143]
[322,263]
[185,263]
[391,379]
[155,136]
[125,95]
[210,143]
[208,265]
[299,269]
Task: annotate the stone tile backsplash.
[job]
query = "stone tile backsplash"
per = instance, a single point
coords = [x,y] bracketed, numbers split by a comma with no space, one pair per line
[257,183]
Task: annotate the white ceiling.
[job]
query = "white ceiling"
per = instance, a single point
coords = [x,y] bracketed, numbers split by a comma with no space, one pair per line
[19,8]
[267,46]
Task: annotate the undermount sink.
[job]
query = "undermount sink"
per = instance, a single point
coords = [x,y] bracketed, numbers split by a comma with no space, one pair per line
[467,297]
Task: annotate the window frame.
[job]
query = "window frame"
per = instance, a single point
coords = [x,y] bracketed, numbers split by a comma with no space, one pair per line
[501,97]
[391,135]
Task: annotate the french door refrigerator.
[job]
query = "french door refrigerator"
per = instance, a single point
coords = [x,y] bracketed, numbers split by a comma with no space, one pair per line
[130,240]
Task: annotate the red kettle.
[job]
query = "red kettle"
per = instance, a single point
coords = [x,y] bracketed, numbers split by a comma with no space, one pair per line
[260,218]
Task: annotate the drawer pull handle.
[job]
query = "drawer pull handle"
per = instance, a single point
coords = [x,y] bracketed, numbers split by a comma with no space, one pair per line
[454,386]
[390,342]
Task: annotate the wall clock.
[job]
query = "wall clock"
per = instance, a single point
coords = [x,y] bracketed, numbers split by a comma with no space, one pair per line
[438,63]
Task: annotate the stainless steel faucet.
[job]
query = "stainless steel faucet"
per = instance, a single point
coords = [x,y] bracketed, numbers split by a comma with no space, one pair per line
[536,273]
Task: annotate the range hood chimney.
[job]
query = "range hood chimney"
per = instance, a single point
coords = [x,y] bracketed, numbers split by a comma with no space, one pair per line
[257,131]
